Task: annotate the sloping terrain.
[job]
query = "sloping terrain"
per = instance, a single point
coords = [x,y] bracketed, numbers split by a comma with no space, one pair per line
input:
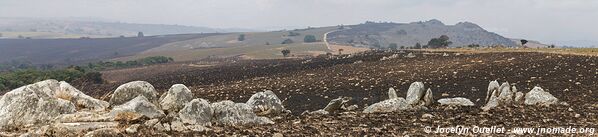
[408,34]
[310,84]
[76,51]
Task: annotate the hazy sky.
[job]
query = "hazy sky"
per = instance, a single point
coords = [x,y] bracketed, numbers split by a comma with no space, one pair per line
[545,20]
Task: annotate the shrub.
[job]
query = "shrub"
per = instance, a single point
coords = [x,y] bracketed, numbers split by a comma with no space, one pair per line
[309,38]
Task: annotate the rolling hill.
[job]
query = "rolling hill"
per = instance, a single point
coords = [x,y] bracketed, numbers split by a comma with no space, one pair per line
[372,34]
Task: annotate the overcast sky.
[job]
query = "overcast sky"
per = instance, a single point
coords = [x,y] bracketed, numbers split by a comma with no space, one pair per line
[545,20]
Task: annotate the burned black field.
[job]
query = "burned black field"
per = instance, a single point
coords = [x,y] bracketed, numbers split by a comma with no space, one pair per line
[309,84]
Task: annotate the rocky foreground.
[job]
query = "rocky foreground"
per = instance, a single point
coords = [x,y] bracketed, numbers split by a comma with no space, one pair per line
[52,108]
[373,93]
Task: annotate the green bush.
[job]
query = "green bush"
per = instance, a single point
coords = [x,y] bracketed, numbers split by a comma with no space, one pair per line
[309,38]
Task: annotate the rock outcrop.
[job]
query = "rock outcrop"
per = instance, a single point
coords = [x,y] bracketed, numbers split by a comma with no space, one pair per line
[458,101]
[32,104]
[539,97]
[197,112]
[265,103]
[136,108]
[230,113]
[131,90]
[176,97]
[492,89]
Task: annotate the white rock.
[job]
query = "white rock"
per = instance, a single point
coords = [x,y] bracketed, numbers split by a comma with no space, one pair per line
[492,86]
[230,113]
[197,112]
[132,129]
[32,104]
[79,99]
[336,104]
[139,106]
[131,90]
[506,96]
[539,97]
[519,98]
[428,98]
[265,103]
[415,93]
[175,98]
[177,125]
[458,101]
[392,93]
[389,105]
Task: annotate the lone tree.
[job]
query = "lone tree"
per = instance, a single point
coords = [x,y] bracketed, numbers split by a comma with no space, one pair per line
[285,52]
[309,38]
[241,37]
[523,42]
[442,41]
[417,46]
[393,46]
[140,34]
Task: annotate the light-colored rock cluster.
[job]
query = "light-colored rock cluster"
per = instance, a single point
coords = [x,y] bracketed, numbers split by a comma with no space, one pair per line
[393,56]
[42,102]
[336,105]
[458,101]
[507,95]
[58,109]
[417,97]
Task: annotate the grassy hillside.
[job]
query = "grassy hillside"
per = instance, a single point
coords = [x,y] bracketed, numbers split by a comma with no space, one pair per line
[256,45]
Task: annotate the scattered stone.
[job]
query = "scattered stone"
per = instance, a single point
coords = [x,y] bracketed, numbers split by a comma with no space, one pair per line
[351,108]
[336,104]
[166,126]
[197,112]
[104,132]
[389,105]
[392,93]
[177,125]
[393,56]
[410,55]
[506,96]
[197,128]
[78,98]
[131,90]
[428,98]
[445,54]
[132,129]
[492,89]
[136,108]
[427,116]
[176,97]
[519,96]
[265,103]
[277,135]
[230,113]
[415,93]
[458,101]
[539,97]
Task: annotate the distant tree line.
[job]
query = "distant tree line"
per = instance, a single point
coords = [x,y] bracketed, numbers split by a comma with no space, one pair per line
[102,65]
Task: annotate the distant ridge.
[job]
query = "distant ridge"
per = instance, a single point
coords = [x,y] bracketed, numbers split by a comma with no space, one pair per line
[408,34]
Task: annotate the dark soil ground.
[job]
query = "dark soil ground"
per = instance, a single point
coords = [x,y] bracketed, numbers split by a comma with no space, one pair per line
[307,85]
